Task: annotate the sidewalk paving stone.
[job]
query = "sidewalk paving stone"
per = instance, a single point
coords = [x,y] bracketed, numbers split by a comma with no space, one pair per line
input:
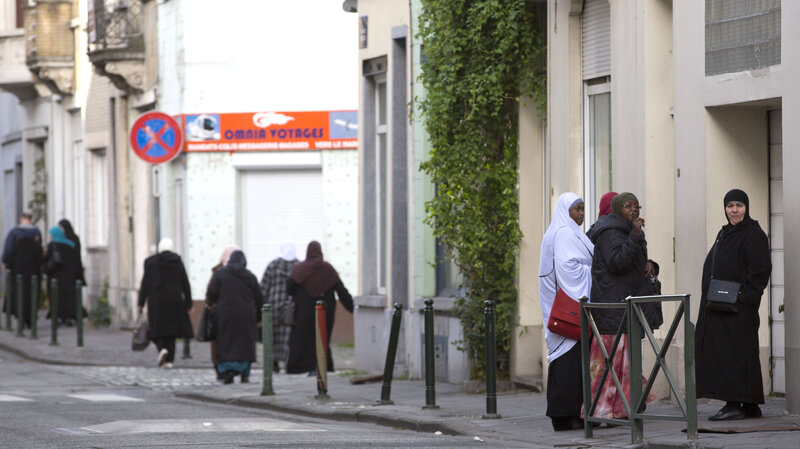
[112,362]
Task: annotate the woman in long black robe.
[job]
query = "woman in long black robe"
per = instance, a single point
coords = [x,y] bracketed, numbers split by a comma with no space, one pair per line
[59,263]
[235,296]
[727,354]
[311,280]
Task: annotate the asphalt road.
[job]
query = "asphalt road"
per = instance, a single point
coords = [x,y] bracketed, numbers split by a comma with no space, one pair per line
[49,406]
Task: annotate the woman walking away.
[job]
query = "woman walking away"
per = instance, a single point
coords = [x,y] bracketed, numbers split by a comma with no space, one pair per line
[59,263]
[565,263]
[235,296]
[726,341]
[69,233]
[313,279]
[273,288]
[165,288]
[619,269]
[212,345]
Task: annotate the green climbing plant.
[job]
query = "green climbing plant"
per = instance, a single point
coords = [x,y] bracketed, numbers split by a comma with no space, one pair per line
[38,202]
[480,58]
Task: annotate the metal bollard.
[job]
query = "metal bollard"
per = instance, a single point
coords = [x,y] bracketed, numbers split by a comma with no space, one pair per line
[79,312]
[391,352]
[266,349]
[491,364]
[9,297]
[53,312]
[320,328]
[34,305]
[430,359]
[20,308]
[187,350]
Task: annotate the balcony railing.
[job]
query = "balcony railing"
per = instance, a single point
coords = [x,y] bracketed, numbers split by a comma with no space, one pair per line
[116,41]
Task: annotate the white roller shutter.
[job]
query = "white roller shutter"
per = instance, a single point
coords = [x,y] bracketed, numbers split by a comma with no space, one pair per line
[278,207]
[596,39]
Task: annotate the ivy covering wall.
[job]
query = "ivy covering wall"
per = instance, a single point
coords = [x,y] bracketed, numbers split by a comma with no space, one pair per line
[479,58]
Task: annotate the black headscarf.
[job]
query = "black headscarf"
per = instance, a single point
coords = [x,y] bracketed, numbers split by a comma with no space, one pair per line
[738,196]
[314,274]
[237,261]
[69,232]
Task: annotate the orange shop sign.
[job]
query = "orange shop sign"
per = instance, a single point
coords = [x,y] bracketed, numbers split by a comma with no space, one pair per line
[270,131]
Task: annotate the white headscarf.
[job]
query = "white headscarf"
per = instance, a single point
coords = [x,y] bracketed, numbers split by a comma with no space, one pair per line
[165,245]
[566,254]
[288,252]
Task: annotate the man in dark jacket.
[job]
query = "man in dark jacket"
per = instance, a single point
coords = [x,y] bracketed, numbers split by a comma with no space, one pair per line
[22,254]
[165,288]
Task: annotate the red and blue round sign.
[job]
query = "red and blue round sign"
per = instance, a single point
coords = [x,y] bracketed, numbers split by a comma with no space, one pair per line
[156,137]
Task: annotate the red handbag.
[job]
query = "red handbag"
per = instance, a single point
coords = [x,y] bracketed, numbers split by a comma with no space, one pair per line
[565,316]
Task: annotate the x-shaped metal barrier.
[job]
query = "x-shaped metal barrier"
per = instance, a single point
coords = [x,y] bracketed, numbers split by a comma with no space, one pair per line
[634,322]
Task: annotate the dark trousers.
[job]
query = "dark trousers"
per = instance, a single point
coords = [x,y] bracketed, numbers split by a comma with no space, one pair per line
[167,343]
[564,387]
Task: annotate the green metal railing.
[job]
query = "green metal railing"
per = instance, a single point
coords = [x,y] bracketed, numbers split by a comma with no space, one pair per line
[634,322]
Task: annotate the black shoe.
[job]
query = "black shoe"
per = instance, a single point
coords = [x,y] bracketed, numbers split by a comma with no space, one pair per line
[728,413]
[752,410]
[227,377]
[245,380]
[561,423]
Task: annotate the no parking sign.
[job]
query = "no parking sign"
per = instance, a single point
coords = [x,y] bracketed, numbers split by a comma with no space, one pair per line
[156,137]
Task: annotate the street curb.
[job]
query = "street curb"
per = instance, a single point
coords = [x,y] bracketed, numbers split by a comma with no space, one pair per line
[364,417]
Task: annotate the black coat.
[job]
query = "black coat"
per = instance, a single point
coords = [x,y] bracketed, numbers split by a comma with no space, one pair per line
[618,270]
[302,341]
[59,264]
[236,297]
[726,344]
[25,259]
[165,288]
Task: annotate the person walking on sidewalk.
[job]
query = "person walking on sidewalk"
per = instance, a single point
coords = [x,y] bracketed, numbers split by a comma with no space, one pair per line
[212,345]
[166,291]
[566,264]
[726,341]
[22,254]
[59,263]
[235,297]
[273,289]
[69,233]
[313,279]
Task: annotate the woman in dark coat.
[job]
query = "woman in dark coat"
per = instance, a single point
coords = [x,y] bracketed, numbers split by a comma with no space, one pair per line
[165,288]
[726,354]
[59,263]
[235,297]
[311,280]
[620,268]
[69,233]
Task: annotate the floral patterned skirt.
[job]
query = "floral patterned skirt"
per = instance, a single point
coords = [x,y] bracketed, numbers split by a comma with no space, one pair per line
[610,403]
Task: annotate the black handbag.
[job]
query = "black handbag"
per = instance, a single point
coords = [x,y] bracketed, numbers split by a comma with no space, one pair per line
[141,336]
[206,329]
[722,296]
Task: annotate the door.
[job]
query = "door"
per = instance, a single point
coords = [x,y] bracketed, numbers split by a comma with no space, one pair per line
[279,207]
[777,356]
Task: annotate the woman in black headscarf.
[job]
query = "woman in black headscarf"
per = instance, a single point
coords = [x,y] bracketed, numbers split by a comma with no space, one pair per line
[726,342]
[69,233]
[235,296]
[311,280]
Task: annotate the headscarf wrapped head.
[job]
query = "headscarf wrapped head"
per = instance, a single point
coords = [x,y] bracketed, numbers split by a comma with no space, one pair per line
[237,261]
[165,245]
[226,254]
[738,196]
[561,220]
[605,203]
[69,232]
[57,235]
[314,274]
[288,252]
[620,200]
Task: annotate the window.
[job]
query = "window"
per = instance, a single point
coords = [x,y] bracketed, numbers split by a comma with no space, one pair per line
[597,145]
[20,13]
[742,35]
[97,198]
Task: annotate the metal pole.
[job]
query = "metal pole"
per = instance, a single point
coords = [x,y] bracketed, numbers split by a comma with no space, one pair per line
[9,297]
[266,346]
[491,364]
[34,305]
[430,371]
[322,351]
[20,308]
[187,350]
[586,348]
[79,312]
[691,393]
[391,352]
[635,345]
[53,312]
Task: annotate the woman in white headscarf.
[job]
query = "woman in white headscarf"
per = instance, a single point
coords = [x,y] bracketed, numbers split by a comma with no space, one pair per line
[565,263]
